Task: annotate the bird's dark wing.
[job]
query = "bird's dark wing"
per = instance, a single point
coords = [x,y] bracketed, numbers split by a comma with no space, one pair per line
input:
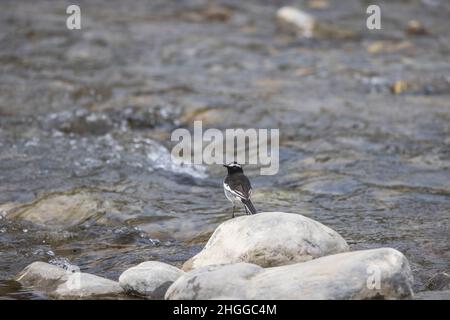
[239,185]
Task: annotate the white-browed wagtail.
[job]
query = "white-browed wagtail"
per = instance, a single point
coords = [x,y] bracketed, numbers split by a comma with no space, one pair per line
[237,187]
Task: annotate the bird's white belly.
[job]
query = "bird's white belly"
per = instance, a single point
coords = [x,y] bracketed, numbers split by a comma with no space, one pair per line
[231,196]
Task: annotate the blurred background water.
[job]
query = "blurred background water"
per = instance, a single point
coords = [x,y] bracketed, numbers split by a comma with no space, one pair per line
[86,117]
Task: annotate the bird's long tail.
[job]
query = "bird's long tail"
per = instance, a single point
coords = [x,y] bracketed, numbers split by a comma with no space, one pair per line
[249,205]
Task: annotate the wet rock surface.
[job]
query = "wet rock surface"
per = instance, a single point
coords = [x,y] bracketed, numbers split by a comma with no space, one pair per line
[62,283]
[86,286]
[440,281]
[150,279]
[433,295]
[296,21]
[268,239]
[42,275]
[363,119]
[340,276]
[59,211]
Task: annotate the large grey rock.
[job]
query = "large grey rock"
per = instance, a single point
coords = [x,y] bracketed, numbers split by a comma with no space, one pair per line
[59,210]
[82,285]
[150,279]
[369,274]
[215,282]
[42,275]
[268,239]
[59,283]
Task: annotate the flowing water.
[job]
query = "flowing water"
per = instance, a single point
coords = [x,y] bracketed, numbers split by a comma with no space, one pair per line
[86,117]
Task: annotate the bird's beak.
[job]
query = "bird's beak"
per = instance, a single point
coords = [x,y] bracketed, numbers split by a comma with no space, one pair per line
[225,166]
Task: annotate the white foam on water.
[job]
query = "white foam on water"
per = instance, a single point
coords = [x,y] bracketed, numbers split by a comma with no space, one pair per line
[162,159]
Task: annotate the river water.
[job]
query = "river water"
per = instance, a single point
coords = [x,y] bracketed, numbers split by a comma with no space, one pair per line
[86,117]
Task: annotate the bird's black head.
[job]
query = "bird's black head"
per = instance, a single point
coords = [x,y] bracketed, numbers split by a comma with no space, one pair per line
[234,167]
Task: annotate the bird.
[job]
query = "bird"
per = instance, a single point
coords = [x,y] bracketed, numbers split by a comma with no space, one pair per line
[237,187]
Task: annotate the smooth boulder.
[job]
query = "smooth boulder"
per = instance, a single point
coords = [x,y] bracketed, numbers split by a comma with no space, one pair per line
[150,279]
[369,274]
[80,285]
[59,210]
[296,21]
[302,24]
[60,283]
[42,275]
[268,239]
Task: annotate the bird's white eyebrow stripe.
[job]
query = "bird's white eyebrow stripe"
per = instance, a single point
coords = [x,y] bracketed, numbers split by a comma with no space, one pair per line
[234,165]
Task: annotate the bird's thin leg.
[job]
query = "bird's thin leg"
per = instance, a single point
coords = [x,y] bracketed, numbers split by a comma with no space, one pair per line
[233,211]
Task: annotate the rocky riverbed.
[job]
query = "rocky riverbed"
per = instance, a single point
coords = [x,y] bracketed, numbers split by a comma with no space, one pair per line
[86,117]
[312,264]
